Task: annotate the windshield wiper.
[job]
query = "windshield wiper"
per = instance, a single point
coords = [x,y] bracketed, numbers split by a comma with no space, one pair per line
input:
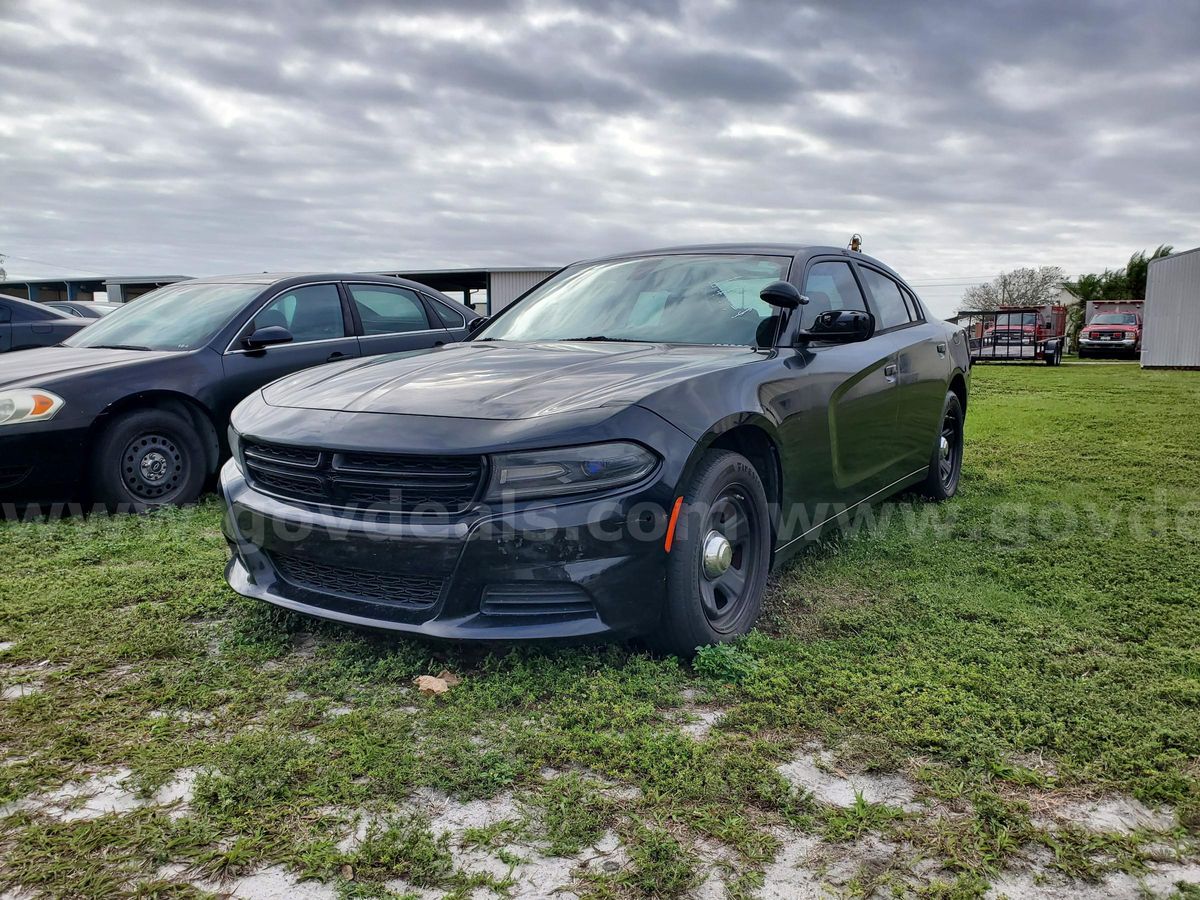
[118,346]
[599,337]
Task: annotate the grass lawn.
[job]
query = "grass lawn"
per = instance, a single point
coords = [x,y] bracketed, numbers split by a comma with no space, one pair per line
[1004,691]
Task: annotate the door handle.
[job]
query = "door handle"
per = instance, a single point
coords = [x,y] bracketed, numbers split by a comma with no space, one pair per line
[941,349]
[890,370]
[333,357]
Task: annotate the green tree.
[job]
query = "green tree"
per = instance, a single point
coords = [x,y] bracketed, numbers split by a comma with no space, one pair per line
[1137,267]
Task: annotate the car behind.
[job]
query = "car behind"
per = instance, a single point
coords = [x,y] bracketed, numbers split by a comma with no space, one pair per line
[25,325]
[133,409]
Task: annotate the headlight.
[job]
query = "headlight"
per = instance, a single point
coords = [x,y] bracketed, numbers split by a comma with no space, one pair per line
[21,406]
[235,446]
[568,470]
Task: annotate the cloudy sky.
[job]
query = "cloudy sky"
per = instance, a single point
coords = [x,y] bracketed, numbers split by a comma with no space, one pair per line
[959,138]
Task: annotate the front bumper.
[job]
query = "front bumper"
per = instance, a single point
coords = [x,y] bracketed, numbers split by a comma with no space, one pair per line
[568,570]
[42,461]
[1095,346]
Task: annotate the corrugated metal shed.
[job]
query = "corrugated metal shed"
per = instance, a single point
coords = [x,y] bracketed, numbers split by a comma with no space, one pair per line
[1171,330]
[506,285]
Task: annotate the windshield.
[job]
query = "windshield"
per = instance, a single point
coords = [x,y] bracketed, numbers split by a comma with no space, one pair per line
[1115,319]
[177,317]
[1013,318]
[683,299]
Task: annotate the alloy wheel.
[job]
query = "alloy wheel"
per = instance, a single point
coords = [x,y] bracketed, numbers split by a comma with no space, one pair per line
[950,450]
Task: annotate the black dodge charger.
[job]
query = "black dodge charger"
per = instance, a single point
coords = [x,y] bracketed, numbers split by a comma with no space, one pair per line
[134,408]
[626,450]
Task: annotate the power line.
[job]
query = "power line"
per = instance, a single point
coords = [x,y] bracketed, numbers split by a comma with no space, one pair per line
[42,262]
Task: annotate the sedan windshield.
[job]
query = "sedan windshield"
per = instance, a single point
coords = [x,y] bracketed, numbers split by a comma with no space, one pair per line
[678,299]
[1115,319]
[177,317]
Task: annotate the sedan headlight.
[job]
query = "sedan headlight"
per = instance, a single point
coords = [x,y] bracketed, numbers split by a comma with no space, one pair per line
[235,446]
[28,405]
[568,470]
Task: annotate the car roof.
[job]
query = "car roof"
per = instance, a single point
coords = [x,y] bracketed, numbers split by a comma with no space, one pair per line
[757,249]
[32,305]
[280,280]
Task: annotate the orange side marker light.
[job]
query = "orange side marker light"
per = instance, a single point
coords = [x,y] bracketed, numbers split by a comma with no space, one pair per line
[671,525]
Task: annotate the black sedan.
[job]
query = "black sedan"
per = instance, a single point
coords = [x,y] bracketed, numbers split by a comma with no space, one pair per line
[628,449]
[134,408]
[25,325]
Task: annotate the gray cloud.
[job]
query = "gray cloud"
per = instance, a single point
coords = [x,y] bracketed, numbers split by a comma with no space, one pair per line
[959,138]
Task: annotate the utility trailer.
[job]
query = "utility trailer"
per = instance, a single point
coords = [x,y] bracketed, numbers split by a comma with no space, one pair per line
[1016,333]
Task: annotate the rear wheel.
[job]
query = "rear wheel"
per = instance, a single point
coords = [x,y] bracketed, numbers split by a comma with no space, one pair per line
[945,465]
[146,459]
[720,557]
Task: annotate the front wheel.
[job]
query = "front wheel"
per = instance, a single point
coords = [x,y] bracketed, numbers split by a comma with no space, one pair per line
[945,465]
[719,559]
[148,458]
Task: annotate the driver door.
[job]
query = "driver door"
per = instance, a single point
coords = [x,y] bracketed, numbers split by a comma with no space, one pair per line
[840,408]
[315,314]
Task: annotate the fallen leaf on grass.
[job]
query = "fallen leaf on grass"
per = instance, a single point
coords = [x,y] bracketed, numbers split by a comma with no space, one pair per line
[431,686]
[450,678]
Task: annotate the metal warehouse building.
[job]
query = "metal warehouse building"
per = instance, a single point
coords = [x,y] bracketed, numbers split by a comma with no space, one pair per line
[500,286]
[1171,320]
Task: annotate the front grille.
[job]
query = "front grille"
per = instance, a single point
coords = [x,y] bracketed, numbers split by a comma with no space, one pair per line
[386,482]
[414,591]
[542,599]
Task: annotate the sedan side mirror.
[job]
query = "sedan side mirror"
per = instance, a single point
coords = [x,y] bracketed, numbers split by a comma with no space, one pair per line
[839,326]
[476,325]
[782,294]
[266,337]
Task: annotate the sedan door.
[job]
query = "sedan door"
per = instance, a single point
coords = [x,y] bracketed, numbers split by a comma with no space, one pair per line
[5,327]
[392,318]
[316,316]
[838,409]
[922,367]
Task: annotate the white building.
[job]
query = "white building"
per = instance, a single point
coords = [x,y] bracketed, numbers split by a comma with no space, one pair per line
[1171,319]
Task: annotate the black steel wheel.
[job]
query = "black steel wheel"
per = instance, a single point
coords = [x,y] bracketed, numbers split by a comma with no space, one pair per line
[152,466]
[720,557]
[148,458]
[945,466]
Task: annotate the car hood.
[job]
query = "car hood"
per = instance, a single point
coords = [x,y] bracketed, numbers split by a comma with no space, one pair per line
[502,380]
[43,366]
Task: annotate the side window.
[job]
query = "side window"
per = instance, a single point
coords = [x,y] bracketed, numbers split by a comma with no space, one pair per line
[890,307]
[451,318]
[312,313]
[914,308]
[829,285]
[388,310]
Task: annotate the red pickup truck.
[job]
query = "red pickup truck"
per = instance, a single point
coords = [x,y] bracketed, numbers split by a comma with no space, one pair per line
[1022,333]
[1114,328]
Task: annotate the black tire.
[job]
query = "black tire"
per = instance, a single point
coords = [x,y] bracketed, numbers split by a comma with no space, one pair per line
[725,496]
[945,464]
[1082,354]
[146,459]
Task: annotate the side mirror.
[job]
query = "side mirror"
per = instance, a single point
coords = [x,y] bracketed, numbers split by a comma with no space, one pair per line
[839,326]
[782,294]
[475,325]
[266,337]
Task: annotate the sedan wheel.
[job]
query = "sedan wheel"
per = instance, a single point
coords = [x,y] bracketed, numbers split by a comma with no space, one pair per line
[148,458]
[945,467]
[719,559]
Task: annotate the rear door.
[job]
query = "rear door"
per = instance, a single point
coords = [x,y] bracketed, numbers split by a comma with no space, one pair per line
[317,317]
[453,320]
[391,318]
[922,366]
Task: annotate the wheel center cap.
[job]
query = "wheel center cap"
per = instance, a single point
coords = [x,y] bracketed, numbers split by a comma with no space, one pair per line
[945,447]
[718,555]
[154,466]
